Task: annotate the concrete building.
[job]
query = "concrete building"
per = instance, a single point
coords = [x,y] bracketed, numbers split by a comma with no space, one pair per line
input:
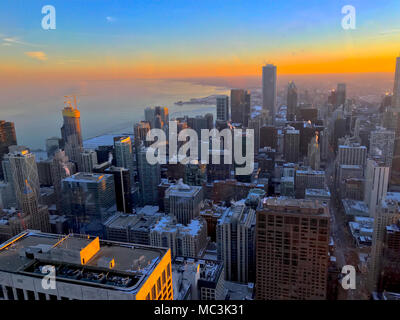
[198,279]
[189,240]
[236,242]
[132,228]
[292,250]
[86,269]
[88,159]
[308,179]
[386,214]
[381,145]
[376,184]
[183,201]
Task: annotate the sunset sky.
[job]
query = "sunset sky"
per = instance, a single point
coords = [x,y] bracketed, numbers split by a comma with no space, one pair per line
[101,39]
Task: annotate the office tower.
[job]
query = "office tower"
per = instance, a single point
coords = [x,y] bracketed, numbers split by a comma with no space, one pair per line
[269,90]
[71,130]
[157,117]
[314,153]
[149,178]
[396,90]
[124,154]
[88,159]
[292,250]
[255,124]
[350,154]
[112,270]
[222,108]
[187,241]
[140,132]
[183,201]
[386,214]
[23,167]
[390,275]
[8,194]
[291,101]
[291,146]
[132,228]
[44,172]
[198,123]
[236,242]
[86,199]
[376,184]
[7,138]
[269,137]
[341,94]
[381,145]
[60,169]
[53,145]
[105,154]
[240,106]
[122,183]
[38,215]
[198,279]
[308,179]
[307,112]
[195,174]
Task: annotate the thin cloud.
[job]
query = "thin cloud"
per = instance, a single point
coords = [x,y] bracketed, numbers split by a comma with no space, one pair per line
[9,41]
[110,19]
[39,55]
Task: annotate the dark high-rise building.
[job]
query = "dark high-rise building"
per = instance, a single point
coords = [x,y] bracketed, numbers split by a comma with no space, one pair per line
[268,137]
[292,250]
[341,94]
[240,106]
[122,183]
[269,90]
[291,145]
[7,138]
[291,101]
[222,108]
[71,130]
[140,132]
[104,152]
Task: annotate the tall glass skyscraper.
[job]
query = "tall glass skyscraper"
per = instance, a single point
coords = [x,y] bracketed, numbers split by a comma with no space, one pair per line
[269,90]
[71,130]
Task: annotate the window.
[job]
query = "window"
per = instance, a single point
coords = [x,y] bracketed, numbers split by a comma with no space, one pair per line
[10,293]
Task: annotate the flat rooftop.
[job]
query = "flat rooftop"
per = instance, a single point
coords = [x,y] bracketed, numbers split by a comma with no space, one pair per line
[289,205]
[87,177]
[27,252]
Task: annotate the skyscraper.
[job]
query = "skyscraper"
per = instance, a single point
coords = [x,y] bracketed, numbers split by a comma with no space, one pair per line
[386,214]
[291,101]
[149,178]
[222,108]
[396,90]
[7,138]
[157,117]
[86,199]
[23,168]
[122,183]
[88,159]
[376,184]
[60,168]
[240,106]
[292,250]
[183,201]
[140,132]
[341,94]
[291,145]
[71,130]
[236,242]
[269,90]
[124,154]
[381,145]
